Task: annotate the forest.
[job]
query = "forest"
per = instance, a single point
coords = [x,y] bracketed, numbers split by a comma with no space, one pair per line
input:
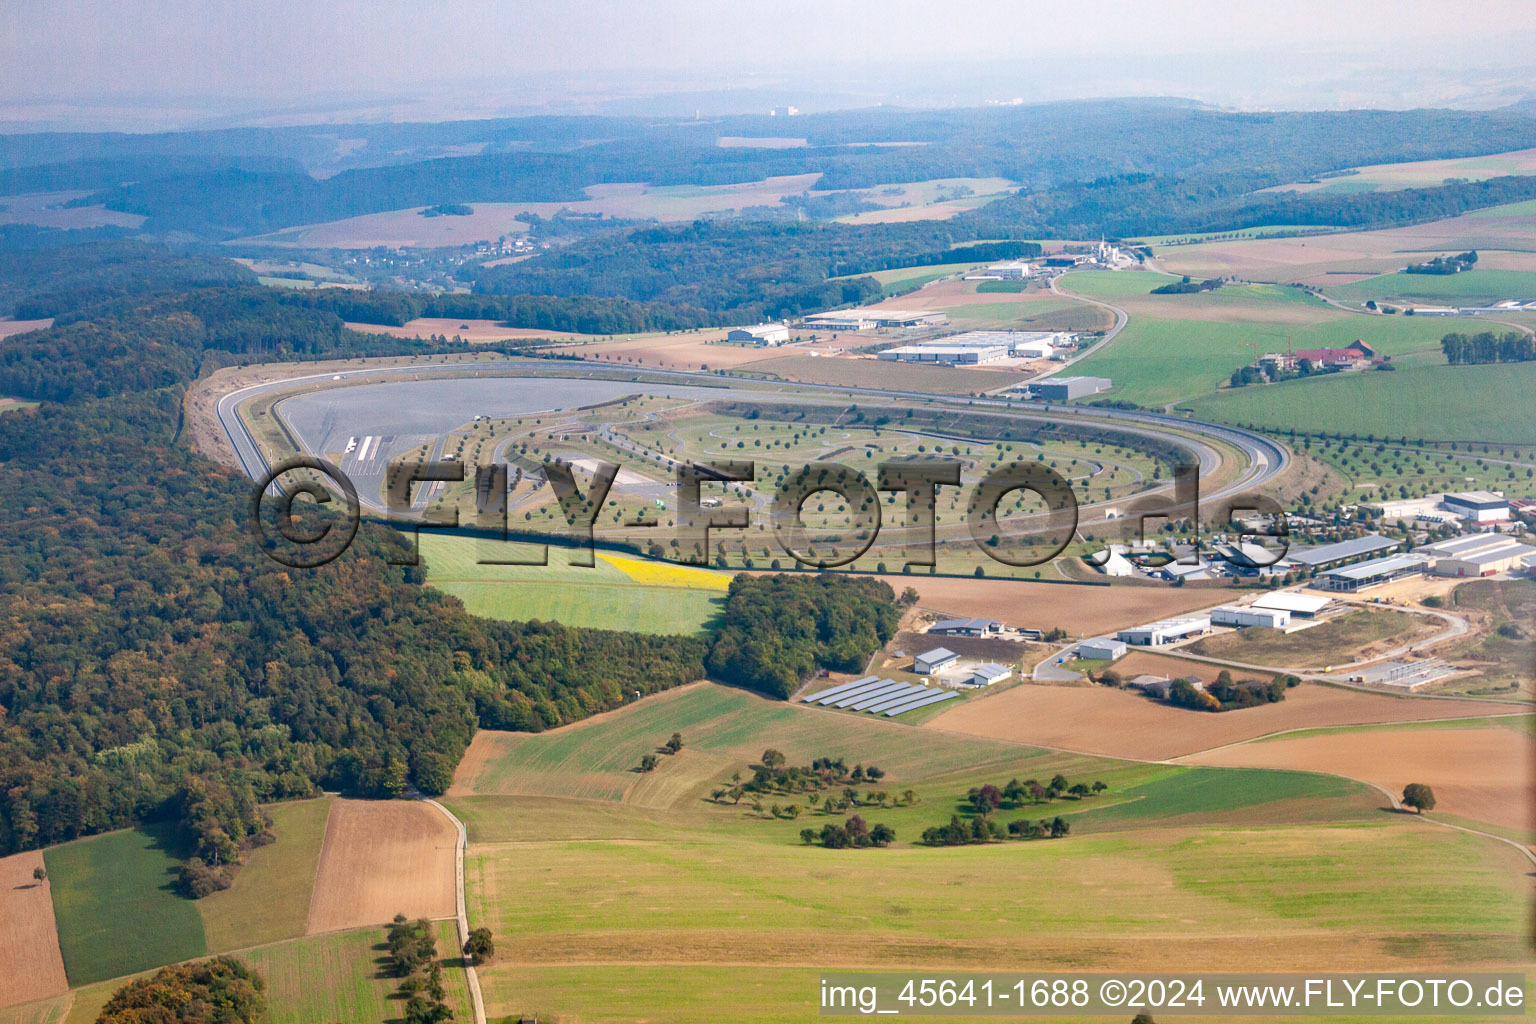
[152,647]
[776,630]
[159,667]
[1041,146]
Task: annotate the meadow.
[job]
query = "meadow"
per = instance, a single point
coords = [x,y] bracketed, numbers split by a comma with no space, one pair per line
[1188,346]
[617,897]
[1468,288]
[602,597]
[1374,470]
[269,899]
[1436,403]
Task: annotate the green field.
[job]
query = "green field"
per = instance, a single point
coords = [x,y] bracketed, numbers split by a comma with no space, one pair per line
[1156,361]
[601,597]
[602,930]
[116,909]
[1384,469]
[1460,403]
[313,980]
[269,899]
[618,898]
[1470,287]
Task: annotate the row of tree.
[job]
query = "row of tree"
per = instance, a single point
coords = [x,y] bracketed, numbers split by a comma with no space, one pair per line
[854,833]
[984,829]
[413,959]
[1488,347]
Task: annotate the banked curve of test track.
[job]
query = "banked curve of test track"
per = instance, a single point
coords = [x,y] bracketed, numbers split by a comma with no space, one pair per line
[1267,458]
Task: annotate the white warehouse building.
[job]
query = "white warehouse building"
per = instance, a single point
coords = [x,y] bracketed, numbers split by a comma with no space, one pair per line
[1236,615]
[1101,649]
[1165,631]
[766,335]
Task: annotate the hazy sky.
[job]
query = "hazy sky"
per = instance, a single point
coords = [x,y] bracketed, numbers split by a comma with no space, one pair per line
[187,61]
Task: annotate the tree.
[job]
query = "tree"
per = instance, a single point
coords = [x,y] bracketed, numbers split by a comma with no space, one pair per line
[675,743]
[882,835]
[773,758]
[648,763]
[480,948]
[222,989]
[1419,796]
[39,875]
[1098,787]
[1143,1018]
[808,836]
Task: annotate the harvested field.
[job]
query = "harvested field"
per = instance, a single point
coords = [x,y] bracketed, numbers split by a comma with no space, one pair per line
[1483,774]
[1119,723]
[875,373]
[1314,259]
[382,858]
[1354,636]
[31,966]
[12,327]
[47,209]
[692,350]
[469,330]
[1145,663]
[1081,610]
[619,199]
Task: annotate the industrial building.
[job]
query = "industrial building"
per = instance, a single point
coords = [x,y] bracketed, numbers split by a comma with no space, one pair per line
[1324,555]
[1101,649]
[766,335]
[1300,606]
[1237,615]
[989,673]
[1478,506]
[1165,631]
[1066,389]
[1374,573]
[1480,554]
[1020,344]
[878,318]
[930,661]
[947,355]
[1012,270]
[966,627]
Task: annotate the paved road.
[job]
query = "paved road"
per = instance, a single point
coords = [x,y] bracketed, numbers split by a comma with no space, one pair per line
[462,914]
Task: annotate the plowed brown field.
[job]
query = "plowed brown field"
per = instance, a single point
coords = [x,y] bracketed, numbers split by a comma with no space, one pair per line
[1119,723]
[1484,774]
[382,858]
[30,964]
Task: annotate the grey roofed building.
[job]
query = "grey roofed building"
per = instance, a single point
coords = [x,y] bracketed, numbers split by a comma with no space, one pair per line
[1328,554]
[936,658]
[1373,573]
[966,627]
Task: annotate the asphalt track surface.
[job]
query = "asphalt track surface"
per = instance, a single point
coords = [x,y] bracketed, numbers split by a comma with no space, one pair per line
[1266,459]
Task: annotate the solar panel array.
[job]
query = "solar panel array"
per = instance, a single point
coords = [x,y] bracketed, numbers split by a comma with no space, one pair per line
[840,688]
[921,702]
[874,696]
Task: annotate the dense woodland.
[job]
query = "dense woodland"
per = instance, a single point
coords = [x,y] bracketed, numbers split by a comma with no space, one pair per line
[157,665]
[223,990]
[552,159]
[777,629]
